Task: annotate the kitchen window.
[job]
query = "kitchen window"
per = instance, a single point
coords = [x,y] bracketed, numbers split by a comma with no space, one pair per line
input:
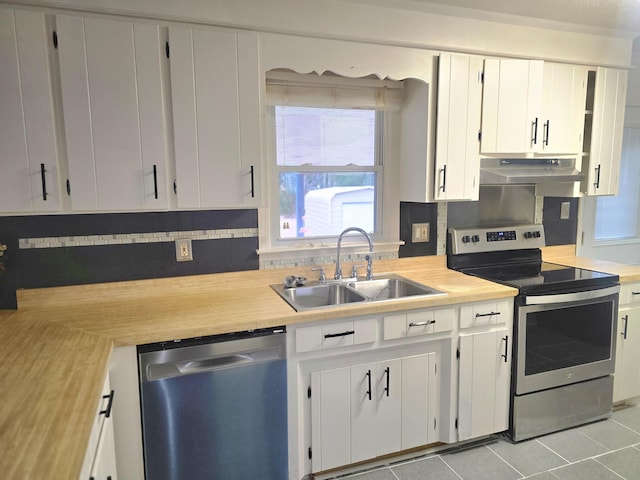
[328,155]
[611,224]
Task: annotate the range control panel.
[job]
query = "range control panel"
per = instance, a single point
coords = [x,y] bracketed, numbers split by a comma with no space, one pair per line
[493,239]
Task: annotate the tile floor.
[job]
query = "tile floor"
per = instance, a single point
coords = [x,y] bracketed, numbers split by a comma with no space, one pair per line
[605,450]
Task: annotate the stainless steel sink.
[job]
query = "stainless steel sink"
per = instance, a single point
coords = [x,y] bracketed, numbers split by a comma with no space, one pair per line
[318,295]
[340,292]
[390,287]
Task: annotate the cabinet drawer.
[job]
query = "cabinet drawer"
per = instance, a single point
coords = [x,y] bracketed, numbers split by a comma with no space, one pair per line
[484,314]
[418,323]
[629,293]
[341,334]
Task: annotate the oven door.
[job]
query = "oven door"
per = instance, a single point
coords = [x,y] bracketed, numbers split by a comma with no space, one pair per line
[565,338]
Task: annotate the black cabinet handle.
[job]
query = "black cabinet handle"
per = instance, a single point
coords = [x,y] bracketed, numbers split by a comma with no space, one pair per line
[155,182]
[534,133]
[422,324]
[597,182]
[505,355]
[388,374]
[175,187]
[341,334]
[490,314]
[625,319]
[546,132]
[635,293]
[253,192]
[43,170]
[107,411]
[68,188]
[369,382]
[444,178]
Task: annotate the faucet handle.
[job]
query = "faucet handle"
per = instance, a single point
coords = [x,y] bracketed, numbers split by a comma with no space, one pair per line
[323,275]
[354,270]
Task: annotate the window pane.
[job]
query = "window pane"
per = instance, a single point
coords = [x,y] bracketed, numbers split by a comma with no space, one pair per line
[321,204]
[325,136]
[617,217]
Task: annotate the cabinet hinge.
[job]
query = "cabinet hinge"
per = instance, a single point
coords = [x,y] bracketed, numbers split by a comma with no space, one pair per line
[458,353]
[481,77]
[456,423]
[310,454]
[68,187]
[166,49]
[55,39]
[435,423]
[309,392]
[479,135]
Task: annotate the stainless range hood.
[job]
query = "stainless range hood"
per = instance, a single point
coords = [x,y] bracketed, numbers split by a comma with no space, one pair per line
[528,171]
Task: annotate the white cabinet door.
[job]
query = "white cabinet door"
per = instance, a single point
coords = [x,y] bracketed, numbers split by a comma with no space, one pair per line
[603,160]
[511,106]
[363,412]
[626,382]
[210,142]
[563,103]
[29,166]
[389,399]
[458,127]
[484,381]
[112,99]
[331,418]
[420,406]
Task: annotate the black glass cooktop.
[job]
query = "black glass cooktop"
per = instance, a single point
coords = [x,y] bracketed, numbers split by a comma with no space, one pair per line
[544,277]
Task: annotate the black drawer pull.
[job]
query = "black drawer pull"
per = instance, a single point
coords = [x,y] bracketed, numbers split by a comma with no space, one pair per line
[253,192]
[155,182]
[341,334]
[422,324]
[43,170]
[107,411]
[635,293]
[490,314]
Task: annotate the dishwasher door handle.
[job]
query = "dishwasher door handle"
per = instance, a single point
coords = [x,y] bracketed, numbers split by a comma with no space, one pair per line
[158,371]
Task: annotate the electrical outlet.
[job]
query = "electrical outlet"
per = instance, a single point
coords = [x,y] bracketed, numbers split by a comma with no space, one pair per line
[419,232]
[565,210]
[183,250]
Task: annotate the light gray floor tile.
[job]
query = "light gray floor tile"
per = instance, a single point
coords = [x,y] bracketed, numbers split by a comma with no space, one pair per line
[629,417]
[585,470]
[624,462]
[432,468]
[528,457]
[543,476]
[611,434]
[480,463]
[381,474]
[572,445]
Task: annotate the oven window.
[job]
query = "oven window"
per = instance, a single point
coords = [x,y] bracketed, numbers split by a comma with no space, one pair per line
[566,337]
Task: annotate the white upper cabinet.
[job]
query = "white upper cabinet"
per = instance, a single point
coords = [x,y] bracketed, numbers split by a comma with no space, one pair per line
[532,107]
[114,120]
[457,159]
[603,136]
[29,159]
[563,103]
[210,143]
[511,106]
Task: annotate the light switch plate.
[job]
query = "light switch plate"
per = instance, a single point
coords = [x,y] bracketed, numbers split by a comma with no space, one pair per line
[184,253]
[419,232]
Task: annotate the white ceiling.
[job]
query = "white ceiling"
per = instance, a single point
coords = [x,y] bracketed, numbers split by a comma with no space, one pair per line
[619,15]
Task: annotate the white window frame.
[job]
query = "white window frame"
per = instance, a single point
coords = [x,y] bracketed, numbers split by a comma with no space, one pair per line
[386,236]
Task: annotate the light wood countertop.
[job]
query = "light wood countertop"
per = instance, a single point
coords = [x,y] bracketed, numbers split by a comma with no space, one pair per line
[56,346]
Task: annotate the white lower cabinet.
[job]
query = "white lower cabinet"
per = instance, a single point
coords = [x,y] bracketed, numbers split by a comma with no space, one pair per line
[363,411]
[484,383]
[626,382]
[100,458]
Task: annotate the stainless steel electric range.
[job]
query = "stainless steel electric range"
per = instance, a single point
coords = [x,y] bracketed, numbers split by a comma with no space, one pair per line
[564,324]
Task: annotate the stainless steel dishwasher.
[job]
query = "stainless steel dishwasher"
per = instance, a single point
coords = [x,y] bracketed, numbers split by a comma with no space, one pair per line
[215,407]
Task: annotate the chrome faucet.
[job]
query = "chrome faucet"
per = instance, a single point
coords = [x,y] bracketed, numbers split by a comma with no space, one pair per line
[368,258]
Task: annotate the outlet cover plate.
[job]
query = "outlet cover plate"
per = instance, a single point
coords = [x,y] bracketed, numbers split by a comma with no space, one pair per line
[419,232]
[565,210]
[184,253]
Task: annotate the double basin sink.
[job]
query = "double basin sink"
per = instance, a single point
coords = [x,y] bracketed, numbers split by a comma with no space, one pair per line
[315,295]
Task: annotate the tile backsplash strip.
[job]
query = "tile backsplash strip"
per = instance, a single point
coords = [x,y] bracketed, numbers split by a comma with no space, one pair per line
[56,250]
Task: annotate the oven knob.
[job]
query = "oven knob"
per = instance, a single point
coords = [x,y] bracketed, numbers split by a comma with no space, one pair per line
[536,234]
[466,239]
[475,238]
[528,234]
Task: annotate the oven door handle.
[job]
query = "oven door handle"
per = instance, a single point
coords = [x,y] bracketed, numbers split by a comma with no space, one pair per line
[571,297]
